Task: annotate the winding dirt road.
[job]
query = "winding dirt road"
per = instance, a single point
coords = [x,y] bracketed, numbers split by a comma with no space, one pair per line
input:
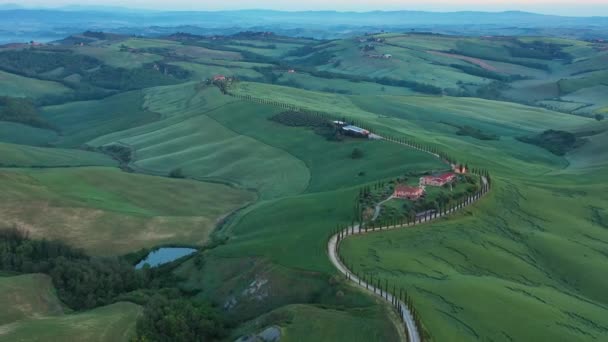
[412,332]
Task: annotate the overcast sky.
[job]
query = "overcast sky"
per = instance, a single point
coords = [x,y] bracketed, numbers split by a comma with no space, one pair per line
[562,7]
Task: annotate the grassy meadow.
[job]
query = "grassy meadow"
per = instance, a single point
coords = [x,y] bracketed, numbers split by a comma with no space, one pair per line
[109,212]
[19,86]
[14,155]
[31,311]
[27,296]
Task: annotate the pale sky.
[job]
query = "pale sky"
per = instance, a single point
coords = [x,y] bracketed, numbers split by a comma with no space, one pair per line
[560,7]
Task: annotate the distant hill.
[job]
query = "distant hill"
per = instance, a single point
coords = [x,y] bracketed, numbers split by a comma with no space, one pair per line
[17,23]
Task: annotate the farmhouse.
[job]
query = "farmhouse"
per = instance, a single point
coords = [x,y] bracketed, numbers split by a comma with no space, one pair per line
[440,180]
[355,131]
[219,78]
[408,192]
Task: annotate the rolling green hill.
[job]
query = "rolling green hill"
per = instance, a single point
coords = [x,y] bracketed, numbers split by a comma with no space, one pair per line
[109,212]
[13,155]
[19,86]
[27,296]
[31,311]
[525,263]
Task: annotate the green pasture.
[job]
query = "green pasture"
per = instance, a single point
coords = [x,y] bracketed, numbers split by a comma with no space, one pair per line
[309,82]
[111,55]
[109,212]
[312,323]
[204,71]
[14,155]
[16,133]
[19,86]
[110,323]
[27,296]
[82,121]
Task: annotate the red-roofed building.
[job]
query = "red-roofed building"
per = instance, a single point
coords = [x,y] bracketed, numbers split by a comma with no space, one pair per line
[408,192]
[440,180]
[219,78]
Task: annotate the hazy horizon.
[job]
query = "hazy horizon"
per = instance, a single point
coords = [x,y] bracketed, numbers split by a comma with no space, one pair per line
[552,7]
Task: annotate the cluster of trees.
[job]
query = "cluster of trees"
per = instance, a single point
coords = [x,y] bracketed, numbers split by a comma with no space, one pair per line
[120,152]
[82,282]
[480,72]
[538,49]
[476,133]
[554,141]
[21,110]
[320,124]
[85,282]
[179,320]
[96,78]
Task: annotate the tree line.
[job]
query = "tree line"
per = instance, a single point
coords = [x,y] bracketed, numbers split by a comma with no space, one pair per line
[83,282]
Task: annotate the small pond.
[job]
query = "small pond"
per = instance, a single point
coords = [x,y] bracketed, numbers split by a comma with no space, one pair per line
[164,255]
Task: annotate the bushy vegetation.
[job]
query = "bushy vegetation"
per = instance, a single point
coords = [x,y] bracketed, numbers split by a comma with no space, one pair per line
[320,125]
[120,152]
[471,70]
[58,64]
[538,49]
[554,141]
[179,320]
[82,282]
[476,133]
[21,110]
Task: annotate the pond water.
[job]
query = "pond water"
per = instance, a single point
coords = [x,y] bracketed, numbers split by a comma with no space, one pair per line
[164,255]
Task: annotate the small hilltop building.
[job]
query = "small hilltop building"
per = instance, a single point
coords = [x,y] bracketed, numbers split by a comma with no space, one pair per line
[408,192]
[439,180]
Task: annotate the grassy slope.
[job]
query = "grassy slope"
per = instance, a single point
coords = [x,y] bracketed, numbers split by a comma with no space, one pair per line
[29,156]
[505,251]
[312,323]
[31,311]
[329,162]
[80,122]
[109,212]
[19,86]
[12,132]
[27,296]
[189,138]
[110,323]
[522,263]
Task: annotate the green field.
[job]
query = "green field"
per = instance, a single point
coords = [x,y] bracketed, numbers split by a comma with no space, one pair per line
[114,322]
[16,133]
[28,156]
[31,311]
[19,86]
[304,322]
[27,296]
[80,122]
[109,212]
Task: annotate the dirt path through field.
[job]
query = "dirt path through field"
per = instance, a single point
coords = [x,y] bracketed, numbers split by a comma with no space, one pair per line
[473,60]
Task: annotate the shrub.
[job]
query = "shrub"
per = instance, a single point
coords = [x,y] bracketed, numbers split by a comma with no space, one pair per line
[357,153]
[177,173]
